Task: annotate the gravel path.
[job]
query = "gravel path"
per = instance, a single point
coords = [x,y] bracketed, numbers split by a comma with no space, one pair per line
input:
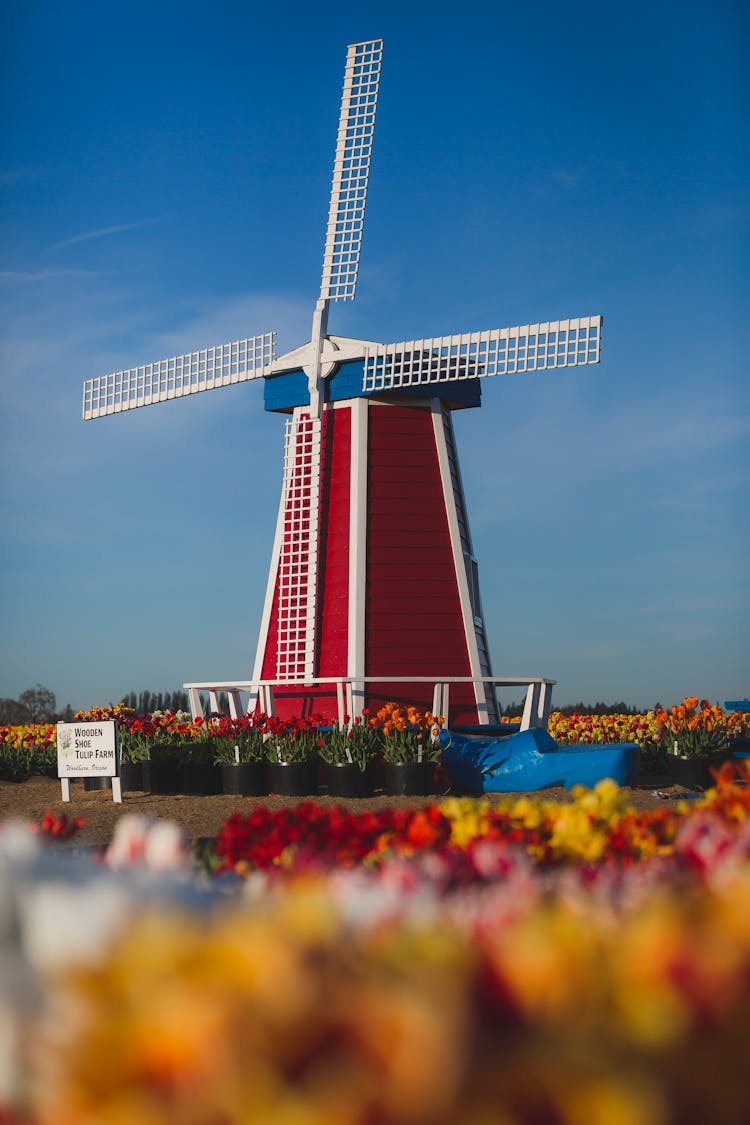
[202,816]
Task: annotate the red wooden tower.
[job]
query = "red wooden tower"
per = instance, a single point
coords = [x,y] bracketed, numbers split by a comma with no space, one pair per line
[373,573]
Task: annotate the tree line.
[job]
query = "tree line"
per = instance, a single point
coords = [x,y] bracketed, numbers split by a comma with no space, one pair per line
[38,705]
[514,710]
[35,705]
[145,702]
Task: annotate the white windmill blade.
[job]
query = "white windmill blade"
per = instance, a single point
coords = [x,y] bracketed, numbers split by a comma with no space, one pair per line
[204,370]
[351,168]
[474,355]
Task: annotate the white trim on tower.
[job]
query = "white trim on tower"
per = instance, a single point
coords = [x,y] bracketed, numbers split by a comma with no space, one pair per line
[265,621]
[453,498]
[357,552]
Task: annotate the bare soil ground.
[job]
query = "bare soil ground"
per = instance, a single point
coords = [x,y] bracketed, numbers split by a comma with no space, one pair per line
[201,817]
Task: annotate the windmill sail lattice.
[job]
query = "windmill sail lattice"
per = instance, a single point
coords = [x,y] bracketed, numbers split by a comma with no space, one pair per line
[204,370]
[373,573]
[351,169]
[473,355]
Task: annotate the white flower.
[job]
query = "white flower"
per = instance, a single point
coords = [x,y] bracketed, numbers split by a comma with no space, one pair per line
[18,844]
[167,847]
[142,841]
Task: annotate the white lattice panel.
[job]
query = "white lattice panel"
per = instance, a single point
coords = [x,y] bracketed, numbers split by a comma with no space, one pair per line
[298,554]
[204,370]
[472,355]
[351,169]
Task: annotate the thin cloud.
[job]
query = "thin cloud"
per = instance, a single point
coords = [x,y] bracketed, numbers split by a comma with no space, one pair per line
[101,232]
[45,275]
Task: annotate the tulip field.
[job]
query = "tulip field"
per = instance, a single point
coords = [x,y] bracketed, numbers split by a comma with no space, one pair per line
[563,728]
[642,728]
[518,961]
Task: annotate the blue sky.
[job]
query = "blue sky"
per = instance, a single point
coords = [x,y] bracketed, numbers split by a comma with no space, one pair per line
[164,177]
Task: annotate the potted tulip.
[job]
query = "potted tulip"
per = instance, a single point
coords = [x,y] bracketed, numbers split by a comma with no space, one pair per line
[292,752]
[134,736]
[168,745]
[698,738]
[348,751]
[411,748]
[240,752]
[178,742]
[197,769]
[161,773]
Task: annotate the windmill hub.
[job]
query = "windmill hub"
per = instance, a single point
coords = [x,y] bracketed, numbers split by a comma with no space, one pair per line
[335,350]
[373,573]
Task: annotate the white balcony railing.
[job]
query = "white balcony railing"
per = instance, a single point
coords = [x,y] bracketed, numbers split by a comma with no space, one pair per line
[350,694]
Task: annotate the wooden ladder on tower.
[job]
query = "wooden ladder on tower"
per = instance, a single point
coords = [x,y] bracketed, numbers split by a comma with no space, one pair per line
[298,556]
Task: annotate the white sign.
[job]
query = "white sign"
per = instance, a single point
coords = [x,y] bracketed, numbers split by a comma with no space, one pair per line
[87,749]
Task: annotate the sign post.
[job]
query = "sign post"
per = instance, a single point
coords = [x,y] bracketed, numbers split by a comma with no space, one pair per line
[88,750]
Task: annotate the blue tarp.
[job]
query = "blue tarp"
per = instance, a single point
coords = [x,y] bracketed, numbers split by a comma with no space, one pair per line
[531,760]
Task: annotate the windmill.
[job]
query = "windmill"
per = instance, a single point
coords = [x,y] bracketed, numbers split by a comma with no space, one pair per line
[373,573]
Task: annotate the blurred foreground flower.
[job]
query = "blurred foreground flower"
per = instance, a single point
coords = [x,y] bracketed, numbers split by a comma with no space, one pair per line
[524,962]
[150,842]
[60,827]
[569,1010]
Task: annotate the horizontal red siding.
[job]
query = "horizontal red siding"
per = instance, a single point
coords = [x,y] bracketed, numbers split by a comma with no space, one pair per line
[414,624]
[413,620]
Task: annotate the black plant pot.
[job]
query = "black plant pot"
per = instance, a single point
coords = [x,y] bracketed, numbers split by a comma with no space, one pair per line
[199,778]
[694,773]
[293,779]
[131,775]
[347,780]
[161,777]
[409,779]
[249,779]
[92,784]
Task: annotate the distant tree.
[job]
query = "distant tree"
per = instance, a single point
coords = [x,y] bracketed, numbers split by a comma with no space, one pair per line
[222,702]
[513,710]
[176,701]
[145,702]
[40,703]
[597,708]
[36,705]
[11,711]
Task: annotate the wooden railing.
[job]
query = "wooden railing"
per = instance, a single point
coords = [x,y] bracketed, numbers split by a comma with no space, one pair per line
[350,694]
